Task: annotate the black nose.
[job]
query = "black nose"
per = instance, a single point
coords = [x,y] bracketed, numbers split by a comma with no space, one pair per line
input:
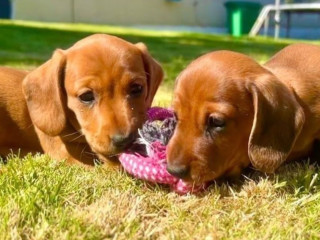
[181,171]
[121,141]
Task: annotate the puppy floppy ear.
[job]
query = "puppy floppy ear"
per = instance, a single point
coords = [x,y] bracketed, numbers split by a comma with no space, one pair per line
[154,73]
[278,120]
[42,89]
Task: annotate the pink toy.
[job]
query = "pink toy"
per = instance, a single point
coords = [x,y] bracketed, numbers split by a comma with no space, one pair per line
[152,165]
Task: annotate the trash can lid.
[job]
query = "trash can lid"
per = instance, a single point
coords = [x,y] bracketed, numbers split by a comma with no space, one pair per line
[245,4]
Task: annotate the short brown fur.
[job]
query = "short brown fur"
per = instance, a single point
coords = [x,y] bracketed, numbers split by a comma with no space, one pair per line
[270,112]
[41,111]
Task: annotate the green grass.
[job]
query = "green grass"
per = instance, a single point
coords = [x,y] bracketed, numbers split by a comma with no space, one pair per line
[43,199]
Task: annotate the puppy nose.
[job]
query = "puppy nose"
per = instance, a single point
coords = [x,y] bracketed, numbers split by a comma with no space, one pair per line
[121,141]
[181,171]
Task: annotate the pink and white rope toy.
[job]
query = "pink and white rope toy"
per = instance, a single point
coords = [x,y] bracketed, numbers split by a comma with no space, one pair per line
[151,165]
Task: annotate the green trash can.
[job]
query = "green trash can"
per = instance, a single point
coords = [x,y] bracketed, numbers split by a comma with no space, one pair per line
[241,16]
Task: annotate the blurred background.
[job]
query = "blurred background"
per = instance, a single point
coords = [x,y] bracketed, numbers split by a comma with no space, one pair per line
[210,16]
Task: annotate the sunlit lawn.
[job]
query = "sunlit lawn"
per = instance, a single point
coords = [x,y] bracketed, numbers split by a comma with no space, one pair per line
[43,199]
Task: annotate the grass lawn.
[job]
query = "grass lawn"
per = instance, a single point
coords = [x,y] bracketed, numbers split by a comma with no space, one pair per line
[44,199]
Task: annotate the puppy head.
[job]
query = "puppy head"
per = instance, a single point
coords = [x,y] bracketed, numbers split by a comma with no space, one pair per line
[101,87]
[231,111]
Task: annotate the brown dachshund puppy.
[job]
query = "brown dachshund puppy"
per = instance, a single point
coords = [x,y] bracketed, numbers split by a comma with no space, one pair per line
[232,111]
[86,101]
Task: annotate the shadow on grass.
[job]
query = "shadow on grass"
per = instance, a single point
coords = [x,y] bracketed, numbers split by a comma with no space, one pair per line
[295,179]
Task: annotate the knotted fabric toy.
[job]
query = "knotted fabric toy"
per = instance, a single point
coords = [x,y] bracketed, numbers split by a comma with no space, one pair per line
[146,159]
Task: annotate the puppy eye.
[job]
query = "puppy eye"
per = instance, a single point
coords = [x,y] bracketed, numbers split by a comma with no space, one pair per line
[87,97]
[135,90]
[215,124]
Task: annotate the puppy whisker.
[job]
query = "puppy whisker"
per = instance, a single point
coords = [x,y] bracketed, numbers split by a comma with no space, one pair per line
[114,155]
[90,153]
[71,134]
[81,135]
